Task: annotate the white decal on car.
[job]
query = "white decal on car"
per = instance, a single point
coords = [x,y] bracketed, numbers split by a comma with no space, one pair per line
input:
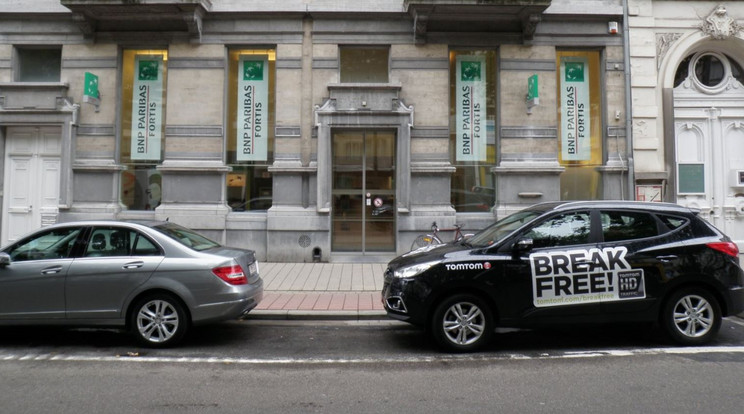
[584,276]
[468,266]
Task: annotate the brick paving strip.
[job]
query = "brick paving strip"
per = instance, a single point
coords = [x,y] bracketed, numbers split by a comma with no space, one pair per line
[320,291]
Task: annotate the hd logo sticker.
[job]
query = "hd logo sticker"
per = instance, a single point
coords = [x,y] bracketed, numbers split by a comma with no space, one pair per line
[584,276]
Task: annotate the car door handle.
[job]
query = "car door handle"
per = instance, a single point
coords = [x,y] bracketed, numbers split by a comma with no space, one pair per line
[667,258]
[133,265]
[51,270]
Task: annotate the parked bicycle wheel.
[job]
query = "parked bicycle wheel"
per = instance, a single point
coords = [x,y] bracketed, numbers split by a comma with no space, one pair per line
[423,240]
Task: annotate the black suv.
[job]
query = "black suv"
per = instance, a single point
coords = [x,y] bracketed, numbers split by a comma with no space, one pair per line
[572,262]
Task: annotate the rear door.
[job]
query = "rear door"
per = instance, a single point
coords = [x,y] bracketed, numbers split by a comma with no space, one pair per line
[32,286]
[649,256]
[116,260]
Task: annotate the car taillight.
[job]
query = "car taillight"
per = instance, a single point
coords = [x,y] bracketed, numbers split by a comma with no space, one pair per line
[729,248]
[231,274]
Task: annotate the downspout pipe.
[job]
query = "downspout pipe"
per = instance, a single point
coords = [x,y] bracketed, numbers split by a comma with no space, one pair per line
[628,105]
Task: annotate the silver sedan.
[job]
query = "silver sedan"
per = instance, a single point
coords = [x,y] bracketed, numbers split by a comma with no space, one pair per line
[154,278]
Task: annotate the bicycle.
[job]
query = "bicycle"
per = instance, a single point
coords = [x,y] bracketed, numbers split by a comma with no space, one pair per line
[433,237]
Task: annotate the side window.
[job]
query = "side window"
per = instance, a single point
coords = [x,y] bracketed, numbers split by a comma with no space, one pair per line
[144,247]
[672,222]
[109,241]
[625,225]
[53,244]
[564,230]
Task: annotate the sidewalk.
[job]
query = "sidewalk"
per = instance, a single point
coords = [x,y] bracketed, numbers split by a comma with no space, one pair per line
[348,291]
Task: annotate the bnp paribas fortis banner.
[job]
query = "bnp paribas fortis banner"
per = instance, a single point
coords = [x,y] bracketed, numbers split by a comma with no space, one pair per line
[575,110]
[147,108]
[253,104]
[470,108]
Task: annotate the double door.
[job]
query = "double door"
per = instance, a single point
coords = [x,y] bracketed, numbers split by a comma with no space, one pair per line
[363,218]
[709,155]
[31,179]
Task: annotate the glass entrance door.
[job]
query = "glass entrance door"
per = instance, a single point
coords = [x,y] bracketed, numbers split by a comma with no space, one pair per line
[363,191]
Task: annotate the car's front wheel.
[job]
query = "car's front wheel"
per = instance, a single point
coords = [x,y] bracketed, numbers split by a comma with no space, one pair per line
[692,316]
[462,323]
[159,321]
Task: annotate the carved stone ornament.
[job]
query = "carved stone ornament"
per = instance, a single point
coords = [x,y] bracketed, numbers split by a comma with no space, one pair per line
[719,25]
[663,43]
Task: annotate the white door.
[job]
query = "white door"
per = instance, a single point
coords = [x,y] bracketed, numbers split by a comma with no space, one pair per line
[31,179]
[709,135]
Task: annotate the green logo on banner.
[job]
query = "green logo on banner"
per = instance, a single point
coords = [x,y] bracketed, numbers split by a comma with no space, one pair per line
[148,70]
[253,70]
[574,71]
[470,71]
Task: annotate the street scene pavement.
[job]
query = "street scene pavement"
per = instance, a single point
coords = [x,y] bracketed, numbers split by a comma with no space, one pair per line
[321,291]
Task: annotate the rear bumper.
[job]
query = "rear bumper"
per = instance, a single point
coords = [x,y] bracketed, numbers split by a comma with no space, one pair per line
[735,300]
[244,301]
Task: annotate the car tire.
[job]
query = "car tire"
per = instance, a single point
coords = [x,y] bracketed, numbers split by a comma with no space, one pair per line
[462,323]
[691,316]
[159,321]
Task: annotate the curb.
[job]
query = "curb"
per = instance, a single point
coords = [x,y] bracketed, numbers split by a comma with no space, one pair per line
[319,315]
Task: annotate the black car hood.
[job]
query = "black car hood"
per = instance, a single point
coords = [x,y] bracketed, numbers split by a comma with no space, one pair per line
[429,254]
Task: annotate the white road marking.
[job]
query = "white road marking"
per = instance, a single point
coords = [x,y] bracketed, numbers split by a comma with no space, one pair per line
[600,353]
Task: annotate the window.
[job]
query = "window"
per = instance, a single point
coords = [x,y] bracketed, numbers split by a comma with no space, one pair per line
[364,64]
[250,128]
[563,230]
[38,64]
[502,228]
[143,106]
[52,244]
[187,237]
[115,241]
[709,70]
[619,225]
[673,222]
[678,225]
[472,129]
[580,123]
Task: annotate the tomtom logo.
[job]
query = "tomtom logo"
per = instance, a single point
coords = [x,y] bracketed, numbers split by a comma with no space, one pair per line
[468,266]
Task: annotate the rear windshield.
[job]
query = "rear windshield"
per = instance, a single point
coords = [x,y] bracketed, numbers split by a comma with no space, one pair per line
[187,237]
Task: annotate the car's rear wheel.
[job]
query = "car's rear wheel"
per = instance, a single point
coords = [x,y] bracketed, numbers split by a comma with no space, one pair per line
[692,316]
[462,323]
[159,320]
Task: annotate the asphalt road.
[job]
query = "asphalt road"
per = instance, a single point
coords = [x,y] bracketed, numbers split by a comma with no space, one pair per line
[343,367]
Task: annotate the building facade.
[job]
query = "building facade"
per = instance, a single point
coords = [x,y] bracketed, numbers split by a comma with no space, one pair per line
[313,129]
[688,106]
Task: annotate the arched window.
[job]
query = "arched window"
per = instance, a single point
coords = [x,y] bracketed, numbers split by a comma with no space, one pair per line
[709,70]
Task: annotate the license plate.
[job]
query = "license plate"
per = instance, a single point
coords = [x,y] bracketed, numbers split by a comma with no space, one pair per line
[253,268]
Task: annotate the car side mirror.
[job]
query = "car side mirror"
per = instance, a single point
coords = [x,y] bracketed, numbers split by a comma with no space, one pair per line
[523,245]
[4,259]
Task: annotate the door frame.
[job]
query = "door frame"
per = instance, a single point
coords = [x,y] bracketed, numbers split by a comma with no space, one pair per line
[334,114]
[43,104]
[39,154]
[708,117]
[364,191]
